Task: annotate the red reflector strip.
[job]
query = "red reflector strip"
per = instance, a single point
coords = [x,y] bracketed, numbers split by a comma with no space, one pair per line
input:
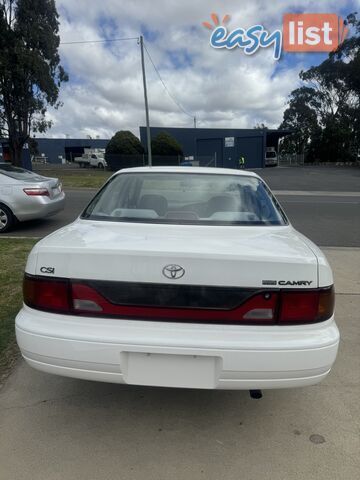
[261,304]
[35,192]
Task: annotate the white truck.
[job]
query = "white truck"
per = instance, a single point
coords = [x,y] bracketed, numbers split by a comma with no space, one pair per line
[93,158]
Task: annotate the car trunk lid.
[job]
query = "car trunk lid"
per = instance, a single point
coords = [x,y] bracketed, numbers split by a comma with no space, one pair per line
[53,185]
[239,256]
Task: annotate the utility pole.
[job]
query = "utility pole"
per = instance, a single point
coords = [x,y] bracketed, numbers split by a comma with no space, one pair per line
[148,136]
[194,122]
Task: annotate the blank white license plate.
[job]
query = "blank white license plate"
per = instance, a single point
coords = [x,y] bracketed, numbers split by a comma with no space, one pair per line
[163,370]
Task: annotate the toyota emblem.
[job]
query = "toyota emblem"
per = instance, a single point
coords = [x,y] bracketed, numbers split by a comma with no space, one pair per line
[173,271]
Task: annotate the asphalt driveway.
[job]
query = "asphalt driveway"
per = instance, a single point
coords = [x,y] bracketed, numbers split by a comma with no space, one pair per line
[313,178]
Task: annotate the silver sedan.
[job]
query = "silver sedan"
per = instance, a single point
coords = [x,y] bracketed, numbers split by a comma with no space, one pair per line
[25,195]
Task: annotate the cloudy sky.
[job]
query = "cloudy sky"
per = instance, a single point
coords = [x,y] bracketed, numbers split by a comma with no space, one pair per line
[222,88]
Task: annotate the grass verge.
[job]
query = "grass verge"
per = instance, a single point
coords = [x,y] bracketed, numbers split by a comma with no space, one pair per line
[78,178]
[13,254]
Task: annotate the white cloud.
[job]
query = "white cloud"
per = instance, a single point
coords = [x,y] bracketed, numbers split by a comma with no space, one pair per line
[222,88]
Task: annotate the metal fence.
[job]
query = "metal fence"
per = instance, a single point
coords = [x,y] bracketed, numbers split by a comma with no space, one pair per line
[291,160]
[207,161]
[117,162]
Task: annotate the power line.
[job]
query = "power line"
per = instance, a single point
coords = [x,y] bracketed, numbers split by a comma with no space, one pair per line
[151,60]
[100,41]
[164,85]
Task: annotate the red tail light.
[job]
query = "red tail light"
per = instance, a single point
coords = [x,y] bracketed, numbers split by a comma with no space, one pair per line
[265,307]
[298,307]
[258,309]
[47,294]
[35,192]
[311,306]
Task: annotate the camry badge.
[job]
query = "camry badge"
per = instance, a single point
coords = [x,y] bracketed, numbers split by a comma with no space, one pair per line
[173,271]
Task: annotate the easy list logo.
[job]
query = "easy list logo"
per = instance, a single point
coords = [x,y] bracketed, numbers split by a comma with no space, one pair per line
[305,32]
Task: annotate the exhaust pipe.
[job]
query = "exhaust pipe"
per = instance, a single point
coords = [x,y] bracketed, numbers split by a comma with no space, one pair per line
[255,394]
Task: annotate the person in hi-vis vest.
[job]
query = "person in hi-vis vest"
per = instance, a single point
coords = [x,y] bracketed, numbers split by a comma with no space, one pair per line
[241,162]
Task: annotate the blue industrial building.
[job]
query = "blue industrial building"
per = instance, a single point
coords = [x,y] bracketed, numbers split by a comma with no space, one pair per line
[55,149]
[223,145]
[68,148]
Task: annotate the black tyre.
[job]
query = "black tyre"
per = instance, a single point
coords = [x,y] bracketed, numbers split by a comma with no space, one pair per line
[101,166]
[6,219]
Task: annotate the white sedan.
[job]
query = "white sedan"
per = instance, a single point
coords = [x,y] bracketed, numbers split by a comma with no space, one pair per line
[180,277]
[25,195]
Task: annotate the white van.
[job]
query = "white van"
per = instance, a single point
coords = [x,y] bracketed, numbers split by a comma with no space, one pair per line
[271,159]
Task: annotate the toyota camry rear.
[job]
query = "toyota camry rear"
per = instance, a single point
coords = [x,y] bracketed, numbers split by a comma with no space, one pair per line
[180,277]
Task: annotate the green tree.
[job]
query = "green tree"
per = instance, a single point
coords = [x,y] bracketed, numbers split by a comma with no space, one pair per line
[30,70]
[324,113]
[33,146]
[124,143]
[165,144]
[349,52]
[301,118]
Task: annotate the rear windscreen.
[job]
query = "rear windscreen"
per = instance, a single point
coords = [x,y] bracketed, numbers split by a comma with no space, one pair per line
[186,198]
[20,173]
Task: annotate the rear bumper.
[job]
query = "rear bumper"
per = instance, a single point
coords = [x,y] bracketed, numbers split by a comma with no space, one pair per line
[244,357]
[40,207]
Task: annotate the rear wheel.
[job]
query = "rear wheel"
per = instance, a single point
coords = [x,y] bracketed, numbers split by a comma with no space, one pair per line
[6,219]
[101,166]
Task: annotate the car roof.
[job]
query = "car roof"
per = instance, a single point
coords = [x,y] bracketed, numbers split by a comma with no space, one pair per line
[189,170]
